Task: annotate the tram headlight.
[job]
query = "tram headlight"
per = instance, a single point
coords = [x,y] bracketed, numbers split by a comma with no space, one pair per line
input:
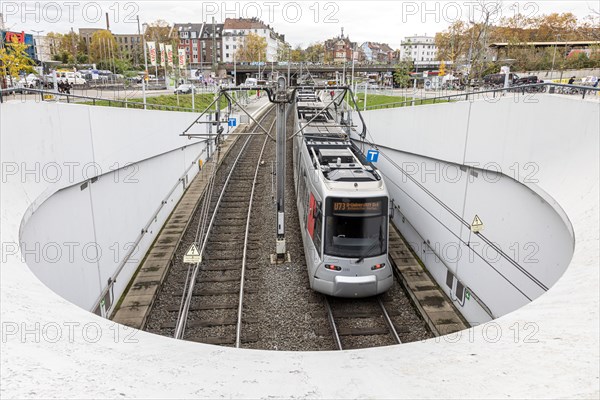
[377,267]
[332,267]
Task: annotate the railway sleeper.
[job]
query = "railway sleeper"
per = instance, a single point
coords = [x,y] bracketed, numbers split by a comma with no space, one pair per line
[209,323]
[217,292]
[223,340]
[230,305]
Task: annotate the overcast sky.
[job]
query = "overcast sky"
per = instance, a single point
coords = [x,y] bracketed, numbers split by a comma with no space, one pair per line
[302,22]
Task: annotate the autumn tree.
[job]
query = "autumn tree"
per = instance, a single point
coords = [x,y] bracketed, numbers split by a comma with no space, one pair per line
[253,49]
[159,31]
[315,52]
[284,52]
[402,73]
[68,48]
[14,60]
[453,43]
[298,55]
[103,46]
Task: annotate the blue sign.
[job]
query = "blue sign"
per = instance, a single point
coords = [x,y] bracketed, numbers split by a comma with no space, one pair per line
[232,122]
[372,155]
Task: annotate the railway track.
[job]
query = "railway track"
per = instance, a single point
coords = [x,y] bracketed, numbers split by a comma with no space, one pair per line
[207,302]
[361,323]
[277,310]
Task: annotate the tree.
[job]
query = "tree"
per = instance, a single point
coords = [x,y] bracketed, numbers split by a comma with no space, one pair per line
[158,31]
[298,54]
[69,48]
[254,49]
[453,43]
[103,46]
[402,73]
[284,52]
[442,71]
[315,52]
[14,60]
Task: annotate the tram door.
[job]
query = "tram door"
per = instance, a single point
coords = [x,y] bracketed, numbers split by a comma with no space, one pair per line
[315,223]
[310,225]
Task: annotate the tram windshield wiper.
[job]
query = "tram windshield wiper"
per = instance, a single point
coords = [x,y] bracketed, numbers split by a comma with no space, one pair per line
[373,246]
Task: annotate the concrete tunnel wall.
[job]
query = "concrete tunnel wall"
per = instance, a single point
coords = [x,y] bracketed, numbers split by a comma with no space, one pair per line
[559,358]
[112,169]
[491,159]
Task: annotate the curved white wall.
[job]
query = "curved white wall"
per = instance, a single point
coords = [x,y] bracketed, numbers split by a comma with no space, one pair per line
[548,348]
[485,158]
[117,173]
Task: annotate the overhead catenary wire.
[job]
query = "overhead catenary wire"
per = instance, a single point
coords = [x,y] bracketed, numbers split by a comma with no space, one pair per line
[203,231]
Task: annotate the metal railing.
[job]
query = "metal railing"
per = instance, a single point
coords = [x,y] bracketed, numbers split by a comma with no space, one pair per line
[52,96]
[536,88]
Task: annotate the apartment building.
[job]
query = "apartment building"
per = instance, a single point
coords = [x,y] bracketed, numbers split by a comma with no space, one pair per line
[418,48]
[202,42]
[235,31]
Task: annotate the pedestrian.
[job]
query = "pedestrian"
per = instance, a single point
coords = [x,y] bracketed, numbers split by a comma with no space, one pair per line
[572,80]
[332,93]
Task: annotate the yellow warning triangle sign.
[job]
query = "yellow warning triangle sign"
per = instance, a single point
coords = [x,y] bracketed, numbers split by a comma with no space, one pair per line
[193,251]
[477,224]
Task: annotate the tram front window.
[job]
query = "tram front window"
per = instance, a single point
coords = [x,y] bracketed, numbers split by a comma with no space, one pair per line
[356,228]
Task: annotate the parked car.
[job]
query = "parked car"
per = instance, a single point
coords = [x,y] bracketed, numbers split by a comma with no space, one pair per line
[30,81]
[498,80]
[530,80]
[184,89]
[135,79]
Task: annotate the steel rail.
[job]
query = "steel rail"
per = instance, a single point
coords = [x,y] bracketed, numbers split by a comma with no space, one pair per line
[182,318]
[238,333]
[388,321]
[336,335]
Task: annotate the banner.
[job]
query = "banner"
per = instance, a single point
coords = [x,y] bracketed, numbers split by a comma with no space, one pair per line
[152,51]
[163,54]
[169,49]
[181,53]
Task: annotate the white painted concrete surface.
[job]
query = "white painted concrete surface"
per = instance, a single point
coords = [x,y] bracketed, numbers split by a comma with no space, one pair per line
[491,161]
[91,357]
[111,184]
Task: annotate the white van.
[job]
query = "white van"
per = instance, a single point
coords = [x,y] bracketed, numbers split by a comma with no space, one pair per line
[73,78]
[251,82]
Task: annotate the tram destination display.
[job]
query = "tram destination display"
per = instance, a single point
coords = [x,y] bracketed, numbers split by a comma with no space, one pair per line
[346,206]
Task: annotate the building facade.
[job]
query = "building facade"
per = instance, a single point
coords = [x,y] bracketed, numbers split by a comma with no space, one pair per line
[418,48]
[128,45]
[340,49]
[235,31]
[202,43]
[20,37]
[377,52]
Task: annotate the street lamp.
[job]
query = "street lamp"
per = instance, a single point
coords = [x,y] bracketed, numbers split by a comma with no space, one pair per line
[554,56]
[145,59]
[472,22]
[38,34]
